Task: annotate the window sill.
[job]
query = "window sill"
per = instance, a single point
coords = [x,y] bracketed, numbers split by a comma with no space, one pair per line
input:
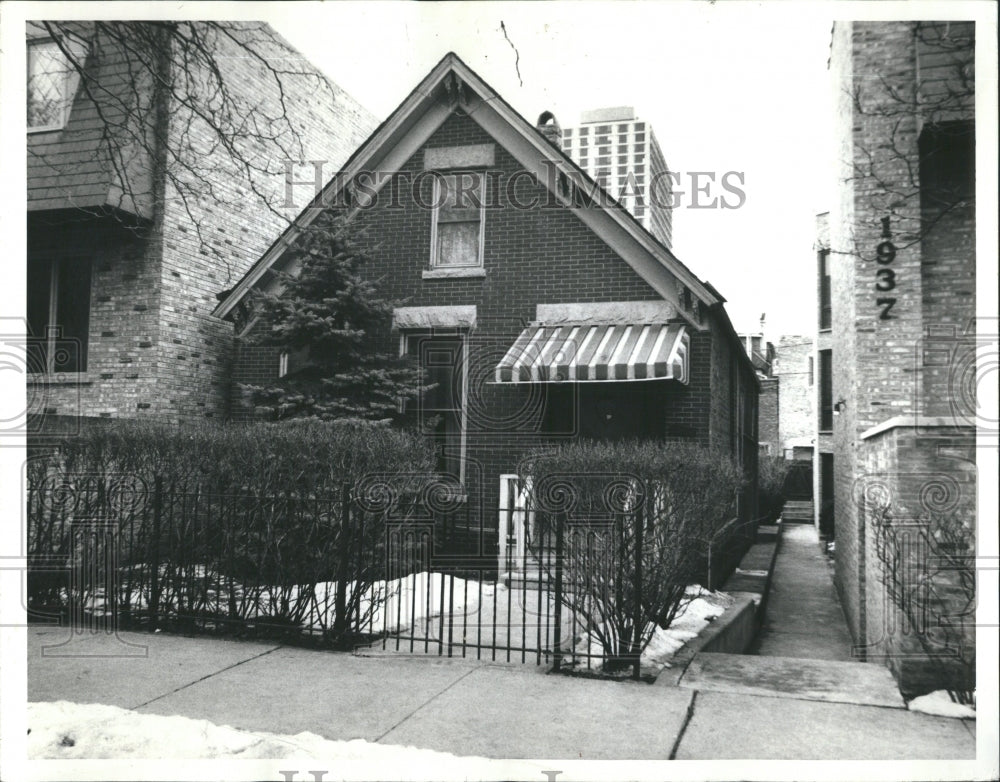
[452,273]
[46,129]
[826,330]
[824,431]
[59,379]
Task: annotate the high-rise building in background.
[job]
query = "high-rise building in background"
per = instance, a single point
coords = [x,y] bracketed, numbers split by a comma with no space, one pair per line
[619,151]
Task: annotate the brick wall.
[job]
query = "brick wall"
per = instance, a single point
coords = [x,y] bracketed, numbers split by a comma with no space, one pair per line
[823,341]
[530,257]
[770,411]
[156,350]
[795,410]
[881,367]
[124,302]
[918,471]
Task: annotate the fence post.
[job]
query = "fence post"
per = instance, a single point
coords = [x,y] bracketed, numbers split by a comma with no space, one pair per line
[708,575]
[340,605]
[154,589]
[557,630]
[637,623]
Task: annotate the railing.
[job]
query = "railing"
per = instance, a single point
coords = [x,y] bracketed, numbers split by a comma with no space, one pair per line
[380,568]
[201,556]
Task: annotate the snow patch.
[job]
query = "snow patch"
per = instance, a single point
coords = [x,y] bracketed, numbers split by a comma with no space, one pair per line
[703,606]
[62,730]
[385,606]
[940,704]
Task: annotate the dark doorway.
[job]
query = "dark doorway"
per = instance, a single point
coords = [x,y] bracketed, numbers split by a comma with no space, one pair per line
[799,482]
[826,495]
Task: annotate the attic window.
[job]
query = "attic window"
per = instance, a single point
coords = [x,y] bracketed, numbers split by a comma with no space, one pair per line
[52,81]
[457,226]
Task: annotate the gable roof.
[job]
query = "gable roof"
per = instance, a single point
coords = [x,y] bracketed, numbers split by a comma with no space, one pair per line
[452,84]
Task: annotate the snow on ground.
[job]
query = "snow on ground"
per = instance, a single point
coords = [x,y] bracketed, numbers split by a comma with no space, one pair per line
[940,704]
[398,603]
[703,606]
[513,619]
[63,730]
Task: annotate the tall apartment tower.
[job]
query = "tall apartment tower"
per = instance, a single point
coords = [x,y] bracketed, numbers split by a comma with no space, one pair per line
[620,152]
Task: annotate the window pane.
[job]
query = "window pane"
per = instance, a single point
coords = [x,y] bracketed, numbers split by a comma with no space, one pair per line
[825,310]
[458,244]
[458,220]
[441,359]
[73,316]
[461,198]
[39,287]
[826,390]
[47,74]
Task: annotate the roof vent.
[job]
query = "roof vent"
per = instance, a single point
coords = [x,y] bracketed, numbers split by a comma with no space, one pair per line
[548,126]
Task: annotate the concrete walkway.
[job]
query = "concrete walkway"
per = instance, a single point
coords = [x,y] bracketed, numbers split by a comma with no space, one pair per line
[803,617]
[468,708]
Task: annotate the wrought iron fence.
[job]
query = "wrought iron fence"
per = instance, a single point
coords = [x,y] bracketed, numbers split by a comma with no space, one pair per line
[196,555]
[386,566]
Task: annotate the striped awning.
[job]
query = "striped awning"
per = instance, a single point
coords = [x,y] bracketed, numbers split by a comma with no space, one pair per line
[580,353]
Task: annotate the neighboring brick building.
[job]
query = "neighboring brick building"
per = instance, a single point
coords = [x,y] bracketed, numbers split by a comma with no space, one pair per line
[770,410]
[822,385]
[896,368]
[785,372]
[121,257]
[762,356]
[505,303]
[793,366]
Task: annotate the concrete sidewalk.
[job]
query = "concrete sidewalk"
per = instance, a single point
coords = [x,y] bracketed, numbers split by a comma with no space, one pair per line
[804,617]
[470,708]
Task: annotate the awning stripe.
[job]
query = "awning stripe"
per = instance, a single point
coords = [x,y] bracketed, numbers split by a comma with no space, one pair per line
[636,352]
[594,338]
[520,369]
[597,368]
[547,349]
[655,351]
[679,361]
[578,357]
[567,348]
[584,352]
[619,361]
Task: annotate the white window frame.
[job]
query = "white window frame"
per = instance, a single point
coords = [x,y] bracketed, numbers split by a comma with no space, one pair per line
[71,79]
[437,201]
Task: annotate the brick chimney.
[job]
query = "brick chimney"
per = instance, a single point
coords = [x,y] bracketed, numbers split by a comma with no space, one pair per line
[548,126]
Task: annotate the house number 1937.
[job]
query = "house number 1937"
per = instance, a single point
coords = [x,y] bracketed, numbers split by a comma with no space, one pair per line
[885,276]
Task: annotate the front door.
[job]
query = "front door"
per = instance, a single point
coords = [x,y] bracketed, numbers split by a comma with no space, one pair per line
[440,410]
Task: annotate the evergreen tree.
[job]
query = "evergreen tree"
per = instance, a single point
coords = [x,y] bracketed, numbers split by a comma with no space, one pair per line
[327,318]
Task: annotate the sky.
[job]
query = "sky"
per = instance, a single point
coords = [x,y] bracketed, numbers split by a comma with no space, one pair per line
[727,87]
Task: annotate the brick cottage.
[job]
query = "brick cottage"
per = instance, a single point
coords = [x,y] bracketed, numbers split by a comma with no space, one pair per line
[543,310]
